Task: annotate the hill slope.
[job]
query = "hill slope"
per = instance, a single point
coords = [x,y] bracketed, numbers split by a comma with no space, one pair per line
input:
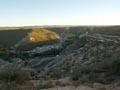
[23,36]
[40,34]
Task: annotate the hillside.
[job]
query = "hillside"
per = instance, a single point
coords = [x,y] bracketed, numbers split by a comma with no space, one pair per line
[23,36]
[88,57]
[38,35]
[11,37]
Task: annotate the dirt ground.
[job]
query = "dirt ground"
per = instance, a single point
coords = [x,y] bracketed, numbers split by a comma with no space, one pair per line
[86,87]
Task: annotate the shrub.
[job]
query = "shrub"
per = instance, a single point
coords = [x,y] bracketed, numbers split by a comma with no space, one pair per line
[13,74]
[45,84]
[56,73]
[113,64]
[76,73]
[14,86]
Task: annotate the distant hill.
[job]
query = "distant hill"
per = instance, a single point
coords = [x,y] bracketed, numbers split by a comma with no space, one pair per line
[35,35]
[23,36]
[11,37]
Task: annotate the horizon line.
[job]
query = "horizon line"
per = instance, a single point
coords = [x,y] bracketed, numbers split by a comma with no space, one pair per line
[54,25]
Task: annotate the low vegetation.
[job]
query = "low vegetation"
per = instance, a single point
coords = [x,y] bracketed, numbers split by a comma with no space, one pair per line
[93,57]
[50,53]
[13,78]
[13,74]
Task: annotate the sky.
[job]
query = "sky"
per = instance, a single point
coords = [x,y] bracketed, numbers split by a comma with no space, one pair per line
[59,12]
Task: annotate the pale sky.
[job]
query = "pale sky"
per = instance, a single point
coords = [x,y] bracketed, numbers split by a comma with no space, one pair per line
[59,12]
